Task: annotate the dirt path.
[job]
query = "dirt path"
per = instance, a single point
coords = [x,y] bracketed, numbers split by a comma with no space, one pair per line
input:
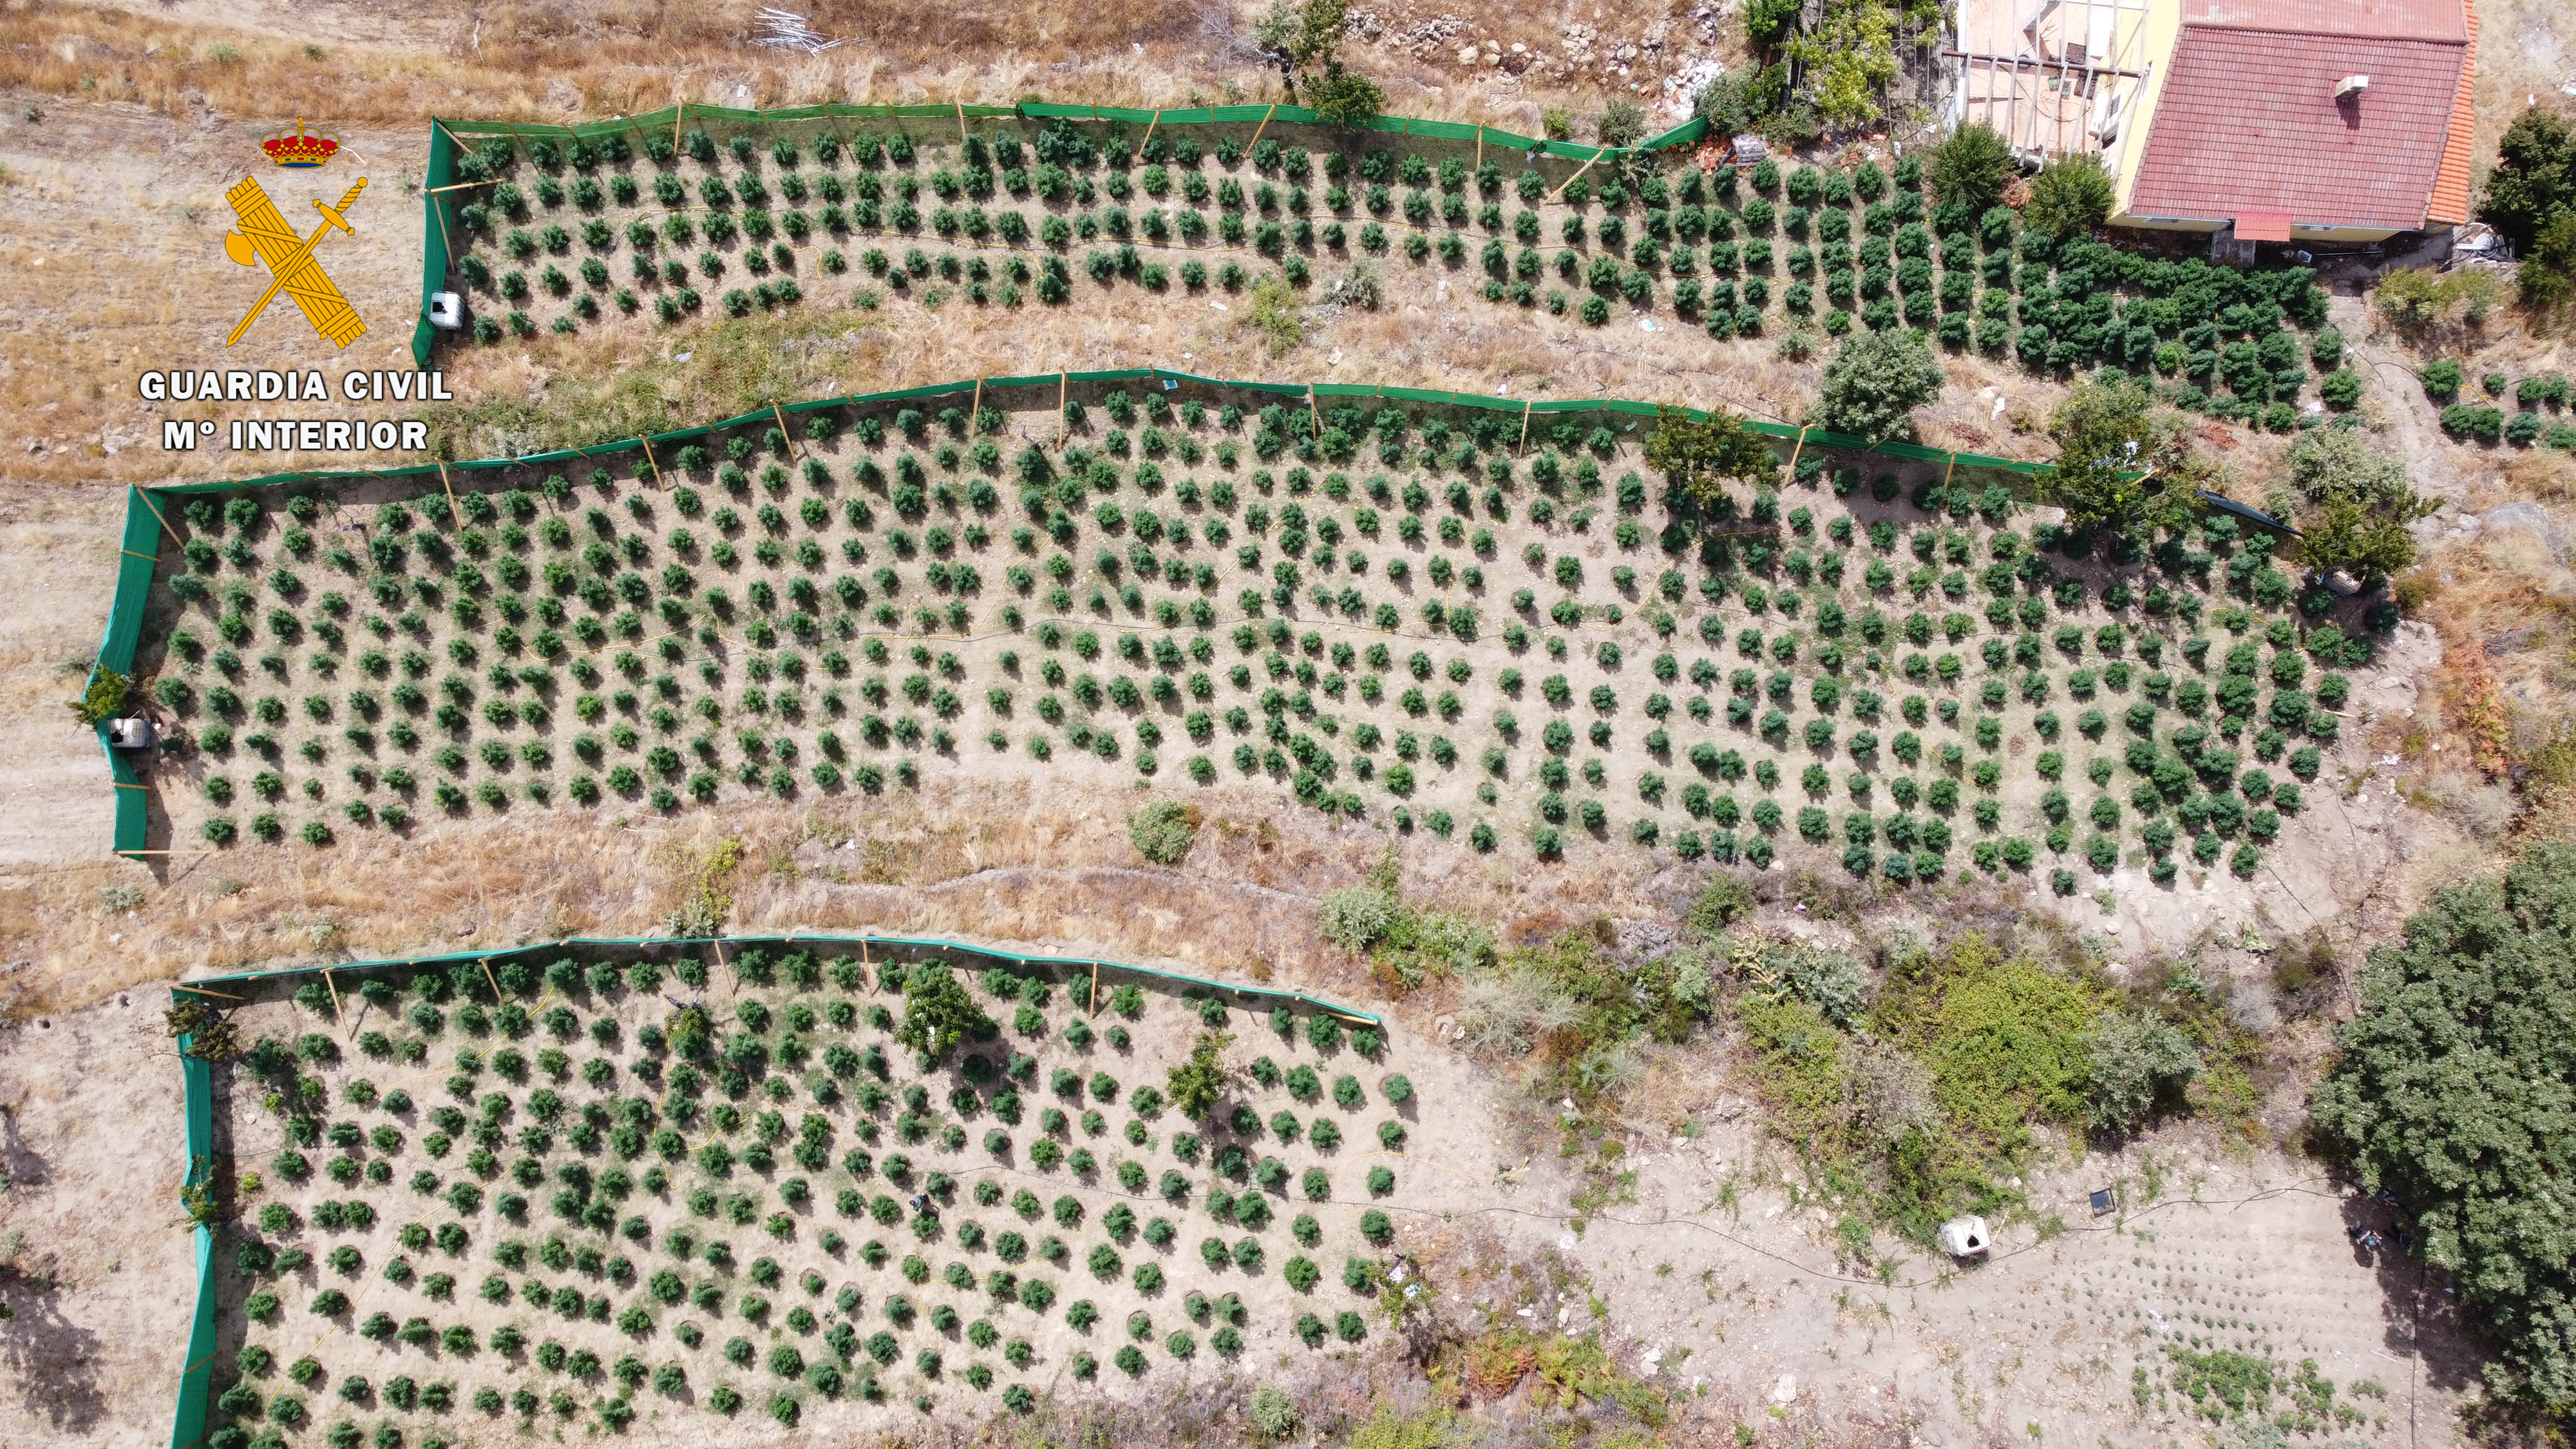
[55,809]
[96,1265]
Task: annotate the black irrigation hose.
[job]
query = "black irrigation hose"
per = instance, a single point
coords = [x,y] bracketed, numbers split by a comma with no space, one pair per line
[1833,1277]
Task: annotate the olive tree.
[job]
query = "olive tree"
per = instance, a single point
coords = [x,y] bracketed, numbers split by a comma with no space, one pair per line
[2452,1094]
[2131,1060]
[938,1012]
[2106,471]
[1699,454]
[1196,1084]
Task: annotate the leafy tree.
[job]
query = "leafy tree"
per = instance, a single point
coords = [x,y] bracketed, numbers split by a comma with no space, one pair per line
[938,1012]
[2548,270]
[1164,831]
[1197,1083]
[1849,60]
[2359,504]
[1874,383]
[1972,166]
[2106,472]
[2368,543]
[1340,98]
[2451,1094]
[1700,455]
[2132,1059]
[1768,22]
[2534,180]
[104,699]
[2070,196]
[1740,101]
[1299,37]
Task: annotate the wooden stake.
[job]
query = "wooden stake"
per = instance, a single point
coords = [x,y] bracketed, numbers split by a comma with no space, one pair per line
[1312,416]
[202,991]
[1063,429]
[459,186]
[1480,146]
[1945,472]
[783,432]
[1526,404]
[486,964]
[1264,126]
[336,1013]
[1094,1008]
[439,209]
[157,515]
[454,513]
[679,118]
[1149,127]
[1794,452]
[975,407]
[1578,173]
[648,459]
[961,119]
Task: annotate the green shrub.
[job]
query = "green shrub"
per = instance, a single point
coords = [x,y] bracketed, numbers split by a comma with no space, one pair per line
[1164,830]
[1356,917]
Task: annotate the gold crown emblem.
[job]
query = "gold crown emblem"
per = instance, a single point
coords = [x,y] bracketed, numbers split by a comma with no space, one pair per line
[300,148]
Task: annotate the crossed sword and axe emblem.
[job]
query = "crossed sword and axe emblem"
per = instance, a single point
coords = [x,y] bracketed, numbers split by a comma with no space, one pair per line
[265,237]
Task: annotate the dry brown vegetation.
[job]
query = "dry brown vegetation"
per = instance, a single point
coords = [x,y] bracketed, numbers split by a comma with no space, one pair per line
[1029,862]
[588,58]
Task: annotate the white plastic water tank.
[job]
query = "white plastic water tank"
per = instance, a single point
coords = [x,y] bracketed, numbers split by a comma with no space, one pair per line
[131,734]
[1965,1237]
[446,311]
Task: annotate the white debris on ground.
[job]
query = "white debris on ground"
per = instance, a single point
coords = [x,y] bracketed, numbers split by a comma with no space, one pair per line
[786,30]
[1666,62]
[1682,88]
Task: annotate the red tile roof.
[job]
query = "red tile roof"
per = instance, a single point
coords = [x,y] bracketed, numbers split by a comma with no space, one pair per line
[2249,122]
[2450,204]
[2388,19]
[2271,226]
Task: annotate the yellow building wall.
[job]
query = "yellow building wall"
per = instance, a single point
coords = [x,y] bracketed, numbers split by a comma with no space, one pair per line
[2163,32]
